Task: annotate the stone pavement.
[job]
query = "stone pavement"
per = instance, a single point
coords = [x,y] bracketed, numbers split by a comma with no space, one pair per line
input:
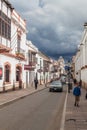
[76,117]
[9,97]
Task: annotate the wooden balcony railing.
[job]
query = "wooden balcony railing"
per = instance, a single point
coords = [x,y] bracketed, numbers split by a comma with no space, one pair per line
[20,54]
[32,63]
[4,48]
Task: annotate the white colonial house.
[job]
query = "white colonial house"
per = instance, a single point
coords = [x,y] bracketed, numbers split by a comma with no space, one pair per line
[80,59]
[12,48]
[30,66]
[43,68]
[77,61]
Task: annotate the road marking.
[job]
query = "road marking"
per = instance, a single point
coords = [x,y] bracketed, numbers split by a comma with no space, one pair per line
[64,113]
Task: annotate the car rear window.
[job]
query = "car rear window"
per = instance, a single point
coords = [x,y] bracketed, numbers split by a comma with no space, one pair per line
[57,83]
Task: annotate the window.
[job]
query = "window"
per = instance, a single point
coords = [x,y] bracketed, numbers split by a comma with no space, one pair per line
[18,73]
[5,26]
[0,26]
[6,31]
[7,73]
[18,43]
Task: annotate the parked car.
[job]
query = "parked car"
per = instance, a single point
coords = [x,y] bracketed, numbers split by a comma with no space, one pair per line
[55,86]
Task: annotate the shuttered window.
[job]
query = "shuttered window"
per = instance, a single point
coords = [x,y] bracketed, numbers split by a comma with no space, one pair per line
[5,26]
[7,73]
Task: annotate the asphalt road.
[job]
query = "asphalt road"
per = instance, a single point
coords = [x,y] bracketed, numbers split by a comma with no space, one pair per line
[40,111]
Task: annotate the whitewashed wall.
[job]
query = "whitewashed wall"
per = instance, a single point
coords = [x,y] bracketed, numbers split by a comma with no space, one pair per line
[13,62]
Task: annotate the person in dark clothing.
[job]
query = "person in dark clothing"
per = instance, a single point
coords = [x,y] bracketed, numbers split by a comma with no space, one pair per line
[77,94]
[36,82]
[86,95]
[80,83]
[75,81]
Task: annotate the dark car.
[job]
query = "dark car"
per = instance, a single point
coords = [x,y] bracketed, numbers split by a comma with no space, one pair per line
[56,86]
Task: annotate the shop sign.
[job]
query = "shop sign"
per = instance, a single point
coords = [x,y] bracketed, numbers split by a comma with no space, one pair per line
[28,67]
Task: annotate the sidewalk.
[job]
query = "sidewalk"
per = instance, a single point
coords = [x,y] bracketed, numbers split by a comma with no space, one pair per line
[9,97]
[76,117]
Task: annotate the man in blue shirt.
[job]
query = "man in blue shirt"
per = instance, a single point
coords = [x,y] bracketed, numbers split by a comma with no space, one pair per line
[77,94]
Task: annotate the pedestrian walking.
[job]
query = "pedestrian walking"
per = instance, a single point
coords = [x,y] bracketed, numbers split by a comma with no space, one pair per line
[77,94]
[70,85]
[86,94]
[80,83]
[36,82]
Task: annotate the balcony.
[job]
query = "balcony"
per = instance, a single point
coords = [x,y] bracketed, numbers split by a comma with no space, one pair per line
[20,54]
[46,69]
[4,49]
[32,63]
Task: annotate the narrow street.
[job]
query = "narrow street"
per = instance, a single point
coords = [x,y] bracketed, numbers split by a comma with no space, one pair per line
[43,49]
[41,110]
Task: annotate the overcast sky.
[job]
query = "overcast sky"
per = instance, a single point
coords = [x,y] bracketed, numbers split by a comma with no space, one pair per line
[54,26]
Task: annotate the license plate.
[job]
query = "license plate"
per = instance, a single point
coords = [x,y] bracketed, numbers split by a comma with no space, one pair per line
[55,88]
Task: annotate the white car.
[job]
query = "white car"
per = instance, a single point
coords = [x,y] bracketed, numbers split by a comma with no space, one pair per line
[56,86]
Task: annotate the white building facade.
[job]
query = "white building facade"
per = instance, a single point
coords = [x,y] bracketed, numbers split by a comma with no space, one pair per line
[20,60]
[12,48]
[81,59]
[31,64]
[43,68]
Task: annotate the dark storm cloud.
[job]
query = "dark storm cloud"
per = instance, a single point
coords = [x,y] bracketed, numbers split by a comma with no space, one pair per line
[55,26]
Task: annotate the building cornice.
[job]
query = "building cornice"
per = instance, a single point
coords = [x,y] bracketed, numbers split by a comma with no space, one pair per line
[8,4]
